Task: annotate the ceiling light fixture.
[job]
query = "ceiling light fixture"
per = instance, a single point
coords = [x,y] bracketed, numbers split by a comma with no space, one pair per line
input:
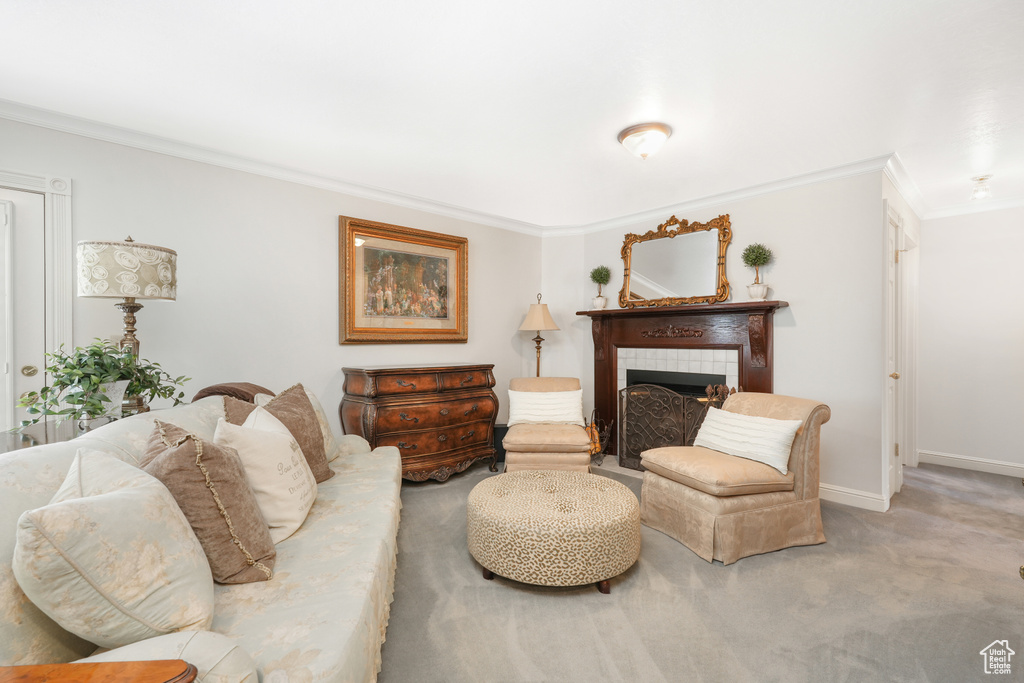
[645,139]
[981,187]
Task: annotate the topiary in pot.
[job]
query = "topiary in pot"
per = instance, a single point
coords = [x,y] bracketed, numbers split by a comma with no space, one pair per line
[600,276]
[755,256]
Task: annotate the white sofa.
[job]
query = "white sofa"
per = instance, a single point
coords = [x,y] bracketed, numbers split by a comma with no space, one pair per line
[323,615]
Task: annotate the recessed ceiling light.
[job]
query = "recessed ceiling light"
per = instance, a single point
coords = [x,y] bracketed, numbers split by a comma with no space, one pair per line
[981,187]
[645,139]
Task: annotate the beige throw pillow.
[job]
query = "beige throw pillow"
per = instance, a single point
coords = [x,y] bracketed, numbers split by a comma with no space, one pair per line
[210,486]
[111,558]
[275,468]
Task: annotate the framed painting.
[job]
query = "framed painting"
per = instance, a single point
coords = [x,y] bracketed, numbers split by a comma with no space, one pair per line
[401,285]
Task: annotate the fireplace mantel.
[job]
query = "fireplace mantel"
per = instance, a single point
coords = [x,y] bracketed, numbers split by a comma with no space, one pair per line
[745,326]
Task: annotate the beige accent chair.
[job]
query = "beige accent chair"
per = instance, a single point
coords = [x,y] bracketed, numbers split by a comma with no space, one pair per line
[546,445]
[724,507]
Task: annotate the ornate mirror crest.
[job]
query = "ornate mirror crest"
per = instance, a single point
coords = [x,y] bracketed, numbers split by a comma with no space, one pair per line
[687,255]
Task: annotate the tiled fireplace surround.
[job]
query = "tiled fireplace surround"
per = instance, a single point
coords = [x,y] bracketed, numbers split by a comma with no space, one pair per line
[734,339]
[704,361]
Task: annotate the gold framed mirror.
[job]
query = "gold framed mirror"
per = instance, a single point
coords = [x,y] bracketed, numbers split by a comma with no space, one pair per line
[687,269]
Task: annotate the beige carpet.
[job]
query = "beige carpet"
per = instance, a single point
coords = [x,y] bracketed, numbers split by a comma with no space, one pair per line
[913,594]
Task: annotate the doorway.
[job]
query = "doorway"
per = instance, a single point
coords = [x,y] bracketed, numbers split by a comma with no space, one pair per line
[36,280]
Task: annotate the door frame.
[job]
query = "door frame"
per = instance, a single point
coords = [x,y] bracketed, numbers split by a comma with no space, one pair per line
[59,251]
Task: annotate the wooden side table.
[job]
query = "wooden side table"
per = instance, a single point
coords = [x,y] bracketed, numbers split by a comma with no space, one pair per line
[160,671]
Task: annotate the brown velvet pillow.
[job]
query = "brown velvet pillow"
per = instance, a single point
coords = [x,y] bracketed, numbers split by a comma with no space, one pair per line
[208,482]
[235,411]
[292,407]
[245,391]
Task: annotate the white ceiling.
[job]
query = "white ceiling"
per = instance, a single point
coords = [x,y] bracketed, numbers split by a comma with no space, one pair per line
[511,109]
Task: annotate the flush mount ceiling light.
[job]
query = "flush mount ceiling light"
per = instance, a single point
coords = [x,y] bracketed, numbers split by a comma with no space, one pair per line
[981,187]
[645,139]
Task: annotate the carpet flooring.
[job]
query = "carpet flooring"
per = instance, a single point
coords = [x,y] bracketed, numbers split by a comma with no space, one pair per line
[912,594]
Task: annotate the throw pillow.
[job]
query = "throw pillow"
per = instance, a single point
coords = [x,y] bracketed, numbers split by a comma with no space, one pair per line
[332,449]
[111,558]
[275,468]
[235,410]
[545,406]
[292,407]
[763,439]
[210,486]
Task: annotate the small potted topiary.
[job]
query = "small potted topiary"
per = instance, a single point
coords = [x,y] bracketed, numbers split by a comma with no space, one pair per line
[755,256]
[600,276]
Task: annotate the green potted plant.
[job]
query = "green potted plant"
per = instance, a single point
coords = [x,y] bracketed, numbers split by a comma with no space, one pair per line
[89,383]
[755,256]
[600,276]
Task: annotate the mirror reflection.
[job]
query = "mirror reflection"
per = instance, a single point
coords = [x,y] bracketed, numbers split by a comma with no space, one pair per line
[677,263]
[682,267]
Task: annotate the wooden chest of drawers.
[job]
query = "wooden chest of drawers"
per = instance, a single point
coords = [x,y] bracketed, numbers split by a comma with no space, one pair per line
[441,418]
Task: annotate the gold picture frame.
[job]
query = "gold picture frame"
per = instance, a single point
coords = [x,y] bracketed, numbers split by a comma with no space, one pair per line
[401,285]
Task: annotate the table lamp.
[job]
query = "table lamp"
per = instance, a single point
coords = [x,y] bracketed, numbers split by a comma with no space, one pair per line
[129,271]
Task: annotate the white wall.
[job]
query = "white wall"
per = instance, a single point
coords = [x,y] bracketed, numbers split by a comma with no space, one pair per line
[258,268]
[972,336]
[828,265]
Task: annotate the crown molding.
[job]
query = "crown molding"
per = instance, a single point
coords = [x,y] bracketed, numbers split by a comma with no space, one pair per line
[908,189]
[152,143]
[973,207]
[835,173]
[122,136]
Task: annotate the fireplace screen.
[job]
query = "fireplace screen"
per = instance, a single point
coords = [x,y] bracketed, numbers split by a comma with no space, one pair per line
[651,416]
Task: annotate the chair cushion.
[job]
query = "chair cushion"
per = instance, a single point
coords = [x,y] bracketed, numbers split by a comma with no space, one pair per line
[547,438]
[713,472]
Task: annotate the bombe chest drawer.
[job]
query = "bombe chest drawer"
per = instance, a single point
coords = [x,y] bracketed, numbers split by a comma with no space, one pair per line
[441,418]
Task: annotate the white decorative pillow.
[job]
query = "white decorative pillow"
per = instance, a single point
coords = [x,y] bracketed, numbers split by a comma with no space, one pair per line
[763,439]
[112,558]
[275,467]
[545,406]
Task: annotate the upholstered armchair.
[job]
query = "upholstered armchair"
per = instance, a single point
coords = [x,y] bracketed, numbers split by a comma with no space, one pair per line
[725,507]
[546,425]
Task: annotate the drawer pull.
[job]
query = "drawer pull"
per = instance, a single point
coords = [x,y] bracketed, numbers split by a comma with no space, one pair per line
[406,384]
[442,437]
[444,411]
[469,378]
[408,446]
[466,436]
[409,419]
[471,410]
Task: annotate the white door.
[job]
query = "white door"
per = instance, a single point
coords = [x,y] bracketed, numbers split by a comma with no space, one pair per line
[893,327]
[23,333]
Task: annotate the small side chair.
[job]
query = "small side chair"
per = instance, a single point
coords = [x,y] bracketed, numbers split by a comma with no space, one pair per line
[725,507]
[541,444]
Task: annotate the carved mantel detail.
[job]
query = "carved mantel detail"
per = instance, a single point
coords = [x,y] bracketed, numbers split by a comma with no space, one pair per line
[673,332]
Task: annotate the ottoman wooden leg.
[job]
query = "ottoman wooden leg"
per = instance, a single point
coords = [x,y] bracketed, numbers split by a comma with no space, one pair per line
[488,574]
[604,586]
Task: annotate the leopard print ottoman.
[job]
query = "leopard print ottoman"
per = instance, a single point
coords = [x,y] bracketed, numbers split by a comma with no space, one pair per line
[553,528]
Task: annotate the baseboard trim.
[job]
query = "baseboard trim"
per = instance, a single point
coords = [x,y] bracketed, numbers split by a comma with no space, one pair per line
[967,462]
[852,497]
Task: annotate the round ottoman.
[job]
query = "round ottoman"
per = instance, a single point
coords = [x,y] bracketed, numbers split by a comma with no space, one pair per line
[553,528]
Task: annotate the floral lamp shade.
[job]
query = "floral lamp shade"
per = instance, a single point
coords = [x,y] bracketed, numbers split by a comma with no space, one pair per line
[127,270]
